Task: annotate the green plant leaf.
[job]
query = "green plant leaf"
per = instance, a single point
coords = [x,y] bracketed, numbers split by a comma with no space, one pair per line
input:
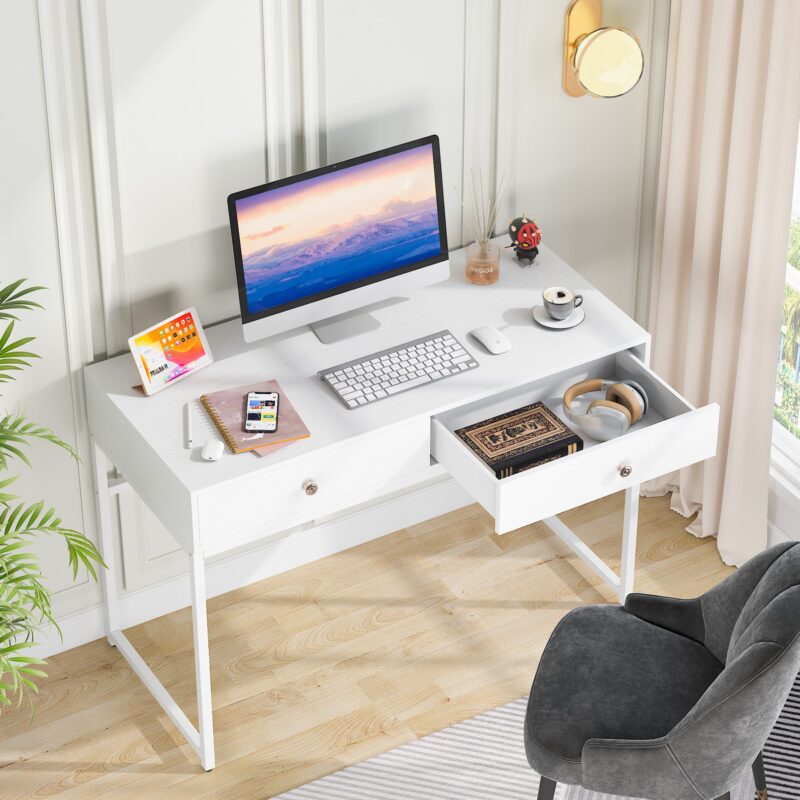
[17,431]
[5,497]
[14,298]
[25,602]
[12,357]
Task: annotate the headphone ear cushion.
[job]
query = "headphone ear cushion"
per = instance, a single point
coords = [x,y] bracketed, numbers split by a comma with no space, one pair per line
[605,420]
[628,397]
[639,389]
[610,404]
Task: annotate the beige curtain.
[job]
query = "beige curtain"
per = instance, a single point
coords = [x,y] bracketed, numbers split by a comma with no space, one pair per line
[731,117]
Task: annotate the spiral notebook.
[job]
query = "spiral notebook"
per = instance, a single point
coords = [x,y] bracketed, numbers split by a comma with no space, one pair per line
[226,409]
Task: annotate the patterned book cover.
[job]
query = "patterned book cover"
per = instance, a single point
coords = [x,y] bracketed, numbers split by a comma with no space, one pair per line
[521,439]
[226,409]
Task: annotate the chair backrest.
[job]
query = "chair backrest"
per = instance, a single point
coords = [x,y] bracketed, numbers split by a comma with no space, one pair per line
[752,624]
[736,606]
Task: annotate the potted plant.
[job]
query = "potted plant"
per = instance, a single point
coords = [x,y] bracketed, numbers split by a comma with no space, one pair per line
[25,602]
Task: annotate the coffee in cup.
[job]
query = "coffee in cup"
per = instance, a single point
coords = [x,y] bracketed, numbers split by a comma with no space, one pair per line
[560,302]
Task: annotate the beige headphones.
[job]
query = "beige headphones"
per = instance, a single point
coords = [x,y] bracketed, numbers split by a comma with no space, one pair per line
[624,404]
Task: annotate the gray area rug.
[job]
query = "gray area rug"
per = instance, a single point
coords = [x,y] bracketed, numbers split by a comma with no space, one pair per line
[483,758]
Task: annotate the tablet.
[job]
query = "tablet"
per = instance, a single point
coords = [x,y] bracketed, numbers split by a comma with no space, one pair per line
[170,351]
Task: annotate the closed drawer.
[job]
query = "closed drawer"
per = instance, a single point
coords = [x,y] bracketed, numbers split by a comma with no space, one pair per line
[672,434]
[277,498]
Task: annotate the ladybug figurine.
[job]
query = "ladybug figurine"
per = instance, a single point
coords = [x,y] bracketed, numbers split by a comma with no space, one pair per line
[525,239]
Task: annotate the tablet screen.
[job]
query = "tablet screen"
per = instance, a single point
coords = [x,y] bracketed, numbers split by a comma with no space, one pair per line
[169,351]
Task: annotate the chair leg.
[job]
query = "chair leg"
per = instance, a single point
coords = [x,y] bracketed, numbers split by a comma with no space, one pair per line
[760,778]
[547,788]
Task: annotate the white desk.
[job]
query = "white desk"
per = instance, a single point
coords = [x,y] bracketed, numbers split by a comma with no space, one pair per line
[360,454]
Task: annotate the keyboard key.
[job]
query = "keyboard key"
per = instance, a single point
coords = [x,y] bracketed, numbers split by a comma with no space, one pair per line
[409,385]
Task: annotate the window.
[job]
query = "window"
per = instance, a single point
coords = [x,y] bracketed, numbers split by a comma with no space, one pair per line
[786,436]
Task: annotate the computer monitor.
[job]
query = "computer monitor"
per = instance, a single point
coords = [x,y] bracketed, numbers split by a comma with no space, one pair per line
[313,247]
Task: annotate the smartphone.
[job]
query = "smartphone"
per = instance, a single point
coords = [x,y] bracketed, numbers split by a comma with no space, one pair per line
[262,412]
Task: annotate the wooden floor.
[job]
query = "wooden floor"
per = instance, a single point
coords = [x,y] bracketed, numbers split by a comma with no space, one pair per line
[335,661]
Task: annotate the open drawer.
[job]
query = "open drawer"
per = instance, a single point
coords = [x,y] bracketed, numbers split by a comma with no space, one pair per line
[673,434]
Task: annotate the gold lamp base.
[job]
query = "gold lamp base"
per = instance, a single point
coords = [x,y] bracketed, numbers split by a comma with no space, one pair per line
[582,18]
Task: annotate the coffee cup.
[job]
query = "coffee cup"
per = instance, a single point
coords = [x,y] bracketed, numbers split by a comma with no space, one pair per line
[560,302]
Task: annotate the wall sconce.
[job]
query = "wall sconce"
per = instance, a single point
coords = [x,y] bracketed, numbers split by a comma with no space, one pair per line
[603,62]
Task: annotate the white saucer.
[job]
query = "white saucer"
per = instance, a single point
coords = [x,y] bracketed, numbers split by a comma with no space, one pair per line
[543,318]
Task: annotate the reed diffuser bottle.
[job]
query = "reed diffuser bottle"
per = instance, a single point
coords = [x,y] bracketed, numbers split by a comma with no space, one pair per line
[483,255]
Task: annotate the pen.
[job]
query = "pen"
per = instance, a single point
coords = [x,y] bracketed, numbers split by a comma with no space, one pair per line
[187,413]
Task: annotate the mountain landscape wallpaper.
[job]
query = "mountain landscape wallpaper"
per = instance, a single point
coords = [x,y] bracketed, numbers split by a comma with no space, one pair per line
[338,229]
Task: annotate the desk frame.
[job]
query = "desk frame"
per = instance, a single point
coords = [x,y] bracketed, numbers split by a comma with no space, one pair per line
[201,738]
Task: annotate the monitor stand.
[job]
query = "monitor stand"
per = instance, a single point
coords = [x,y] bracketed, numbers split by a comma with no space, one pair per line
[344,326]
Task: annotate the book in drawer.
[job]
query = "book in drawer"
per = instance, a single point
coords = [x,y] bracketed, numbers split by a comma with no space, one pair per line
[518,440]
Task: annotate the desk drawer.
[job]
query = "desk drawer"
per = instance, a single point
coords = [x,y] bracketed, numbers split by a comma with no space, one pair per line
[275,498]
[672,434]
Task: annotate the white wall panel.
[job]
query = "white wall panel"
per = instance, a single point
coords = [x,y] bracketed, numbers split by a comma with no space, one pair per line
[188,103]
[579,160]
[29,248]
[395,72]
[188,100]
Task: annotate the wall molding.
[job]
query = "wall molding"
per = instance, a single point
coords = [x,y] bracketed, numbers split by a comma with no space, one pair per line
[113,280]
[481,33]
[278,47]
[282,552]
[76,253]
[509,89]
[312,54]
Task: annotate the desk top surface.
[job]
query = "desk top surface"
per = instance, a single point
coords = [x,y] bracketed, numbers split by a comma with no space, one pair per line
[294,358]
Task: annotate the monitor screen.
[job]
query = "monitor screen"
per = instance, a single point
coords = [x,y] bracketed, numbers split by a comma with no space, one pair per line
[337,228]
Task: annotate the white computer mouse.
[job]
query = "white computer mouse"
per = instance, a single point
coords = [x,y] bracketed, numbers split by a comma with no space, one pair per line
[493,340]
[213,450]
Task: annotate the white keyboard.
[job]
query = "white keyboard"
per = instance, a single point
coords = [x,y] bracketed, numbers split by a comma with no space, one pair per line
[384,374]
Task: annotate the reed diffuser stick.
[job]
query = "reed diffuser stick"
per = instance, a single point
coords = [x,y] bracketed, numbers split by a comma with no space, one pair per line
[486,213]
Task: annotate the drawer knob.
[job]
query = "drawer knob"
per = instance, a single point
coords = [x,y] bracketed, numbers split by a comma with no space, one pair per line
[625,470]
[310,487]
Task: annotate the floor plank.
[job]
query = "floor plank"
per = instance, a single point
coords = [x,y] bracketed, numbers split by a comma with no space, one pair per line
[336,661]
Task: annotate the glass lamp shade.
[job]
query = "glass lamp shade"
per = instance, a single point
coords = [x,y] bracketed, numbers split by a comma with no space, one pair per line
[608,62]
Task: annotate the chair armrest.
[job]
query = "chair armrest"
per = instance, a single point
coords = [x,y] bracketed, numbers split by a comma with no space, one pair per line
[680,616]
[634,769]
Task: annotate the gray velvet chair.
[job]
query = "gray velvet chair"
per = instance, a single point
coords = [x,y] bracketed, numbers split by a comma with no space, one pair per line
[669,699]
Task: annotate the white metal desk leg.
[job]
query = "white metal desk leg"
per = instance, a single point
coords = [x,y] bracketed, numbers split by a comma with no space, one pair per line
[202,667]
[630,524]
[108,577]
